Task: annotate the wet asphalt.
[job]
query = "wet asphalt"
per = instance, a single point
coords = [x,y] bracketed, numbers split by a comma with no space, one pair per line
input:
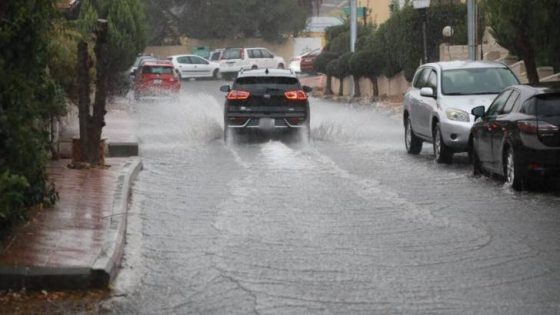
[345,224]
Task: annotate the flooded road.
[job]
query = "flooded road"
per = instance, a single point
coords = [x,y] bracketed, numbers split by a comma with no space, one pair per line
[346,224]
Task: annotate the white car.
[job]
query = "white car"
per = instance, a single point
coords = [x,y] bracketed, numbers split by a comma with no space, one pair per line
[235,59]
[437,108]
[193,66]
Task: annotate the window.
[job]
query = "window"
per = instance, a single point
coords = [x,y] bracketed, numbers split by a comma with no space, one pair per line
[498,104]
[184,60]
[215,56]
[266,54]
[232,53]
[476,81]
[510,103]
[432,81]
[198,61]
[263,84]
[421,78]
[157,70]
[254,53]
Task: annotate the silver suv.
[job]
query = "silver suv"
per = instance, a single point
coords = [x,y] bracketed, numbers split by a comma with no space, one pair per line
[437,108]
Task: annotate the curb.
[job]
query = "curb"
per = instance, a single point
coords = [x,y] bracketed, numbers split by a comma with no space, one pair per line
[106,265]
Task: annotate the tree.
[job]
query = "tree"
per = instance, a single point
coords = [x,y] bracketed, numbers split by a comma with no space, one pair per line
[215,19]
[119,36]
[526,28]
[28,98]
[320,65]
[367,64]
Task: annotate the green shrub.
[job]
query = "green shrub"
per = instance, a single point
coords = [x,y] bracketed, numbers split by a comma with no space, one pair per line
[12,197]
[28,98]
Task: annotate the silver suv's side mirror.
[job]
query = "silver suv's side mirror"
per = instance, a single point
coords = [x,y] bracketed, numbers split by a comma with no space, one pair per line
[427,92]
[225,88]
[307,89]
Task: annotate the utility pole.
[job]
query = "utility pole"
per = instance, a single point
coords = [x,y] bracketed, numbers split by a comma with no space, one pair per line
[353,36]
[471,12]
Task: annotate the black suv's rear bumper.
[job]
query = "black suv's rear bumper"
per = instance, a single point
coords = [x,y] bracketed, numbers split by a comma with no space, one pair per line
[273,117]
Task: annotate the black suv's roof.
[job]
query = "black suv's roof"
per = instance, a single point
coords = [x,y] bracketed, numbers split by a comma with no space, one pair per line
[266,73]
[541,88]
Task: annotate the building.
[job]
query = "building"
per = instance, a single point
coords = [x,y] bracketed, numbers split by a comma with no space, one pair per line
[377,11]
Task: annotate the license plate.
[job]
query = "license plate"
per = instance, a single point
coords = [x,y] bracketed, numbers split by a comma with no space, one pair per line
[157,81]
[266,123]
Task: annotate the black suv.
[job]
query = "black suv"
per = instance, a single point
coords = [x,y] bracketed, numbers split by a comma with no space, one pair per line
[266,100]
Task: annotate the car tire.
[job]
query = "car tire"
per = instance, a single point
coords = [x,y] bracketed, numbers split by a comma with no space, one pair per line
[412,143]
[477,165]
[442,153]
[254,67]
[280,66]
[216,74]
[514,178]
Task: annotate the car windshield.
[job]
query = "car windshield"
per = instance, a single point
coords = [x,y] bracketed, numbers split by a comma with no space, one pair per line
[476,81]
[157,70]
[232,53]
[266,84]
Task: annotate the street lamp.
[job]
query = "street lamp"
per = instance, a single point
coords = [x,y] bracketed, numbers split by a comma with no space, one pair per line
[423,5]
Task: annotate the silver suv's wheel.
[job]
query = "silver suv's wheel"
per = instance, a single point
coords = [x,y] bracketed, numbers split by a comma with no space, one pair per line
[442,153]
[412,143]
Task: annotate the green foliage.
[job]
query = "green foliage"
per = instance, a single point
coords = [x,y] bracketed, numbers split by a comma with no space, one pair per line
[272,20]
[366,63]
[62,52]
[528,29]
[12,197]
[126,37]
[396,45]
[28,97]
[322,61]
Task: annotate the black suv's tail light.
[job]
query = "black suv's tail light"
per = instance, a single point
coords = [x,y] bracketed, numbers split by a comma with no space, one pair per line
[298,95]
[539,127]
[238,95]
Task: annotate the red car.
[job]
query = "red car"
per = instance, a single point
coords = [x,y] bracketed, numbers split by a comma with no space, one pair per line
[307,60]
[156,78]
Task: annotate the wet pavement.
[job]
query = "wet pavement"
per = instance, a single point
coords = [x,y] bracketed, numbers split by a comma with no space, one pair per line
[346,224]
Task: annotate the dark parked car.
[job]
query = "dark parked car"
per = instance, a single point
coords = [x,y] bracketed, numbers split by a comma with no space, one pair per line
[266,99]
[307,61]
[518,137]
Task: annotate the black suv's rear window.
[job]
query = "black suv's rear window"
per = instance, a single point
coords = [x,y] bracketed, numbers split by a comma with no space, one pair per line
[547,105]
[157,70]
[266,84]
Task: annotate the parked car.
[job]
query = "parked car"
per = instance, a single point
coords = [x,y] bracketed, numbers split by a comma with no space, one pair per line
[518,137]
[308,60]
[304,63]
[437,108]
[192,66]
[138,63]
[156,78]
[266,99]
[216,55]
[235,59]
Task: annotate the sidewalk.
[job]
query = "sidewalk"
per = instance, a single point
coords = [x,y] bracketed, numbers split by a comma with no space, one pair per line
[79,242]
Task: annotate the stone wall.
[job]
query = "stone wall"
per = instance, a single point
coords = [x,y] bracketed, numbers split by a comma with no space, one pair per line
[394,87]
